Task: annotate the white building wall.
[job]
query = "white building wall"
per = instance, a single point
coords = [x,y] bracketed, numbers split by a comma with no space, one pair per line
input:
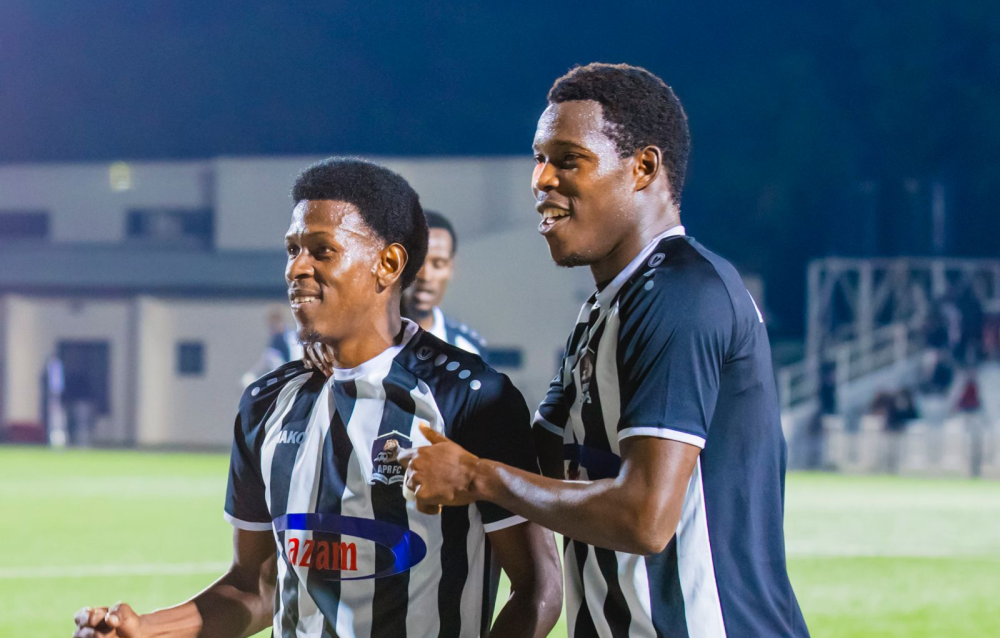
[199,410]
[34,328]
[507,287]
[479,195]
[83,207]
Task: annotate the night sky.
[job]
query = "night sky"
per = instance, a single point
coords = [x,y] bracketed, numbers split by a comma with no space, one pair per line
[791,105]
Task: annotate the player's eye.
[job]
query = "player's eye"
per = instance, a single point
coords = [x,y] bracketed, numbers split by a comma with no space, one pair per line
[292,250]
[539,159]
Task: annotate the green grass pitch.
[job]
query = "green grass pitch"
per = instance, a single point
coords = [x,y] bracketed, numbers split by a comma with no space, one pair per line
[868,556]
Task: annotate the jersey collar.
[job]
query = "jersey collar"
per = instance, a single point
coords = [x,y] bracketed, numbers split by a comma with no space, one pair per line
[605,296]
[380,361]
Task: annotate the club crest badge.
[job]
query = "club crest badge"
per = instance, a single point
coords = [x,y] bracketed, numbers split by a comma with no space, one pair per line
[385,451]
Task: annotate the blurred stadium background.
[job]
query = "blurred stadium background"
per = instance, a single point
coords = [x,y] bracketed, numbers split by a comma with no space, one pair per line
[846,158]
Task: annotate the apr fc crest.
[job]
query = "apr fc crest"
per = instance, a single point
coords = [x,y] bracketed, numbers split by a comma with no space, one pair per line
[385,450]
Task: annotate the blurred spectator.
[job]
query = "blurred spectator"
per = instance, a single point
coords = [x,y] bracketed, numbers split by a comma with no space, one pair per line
[53,409]
[941,375]
[975,423]
[282,346]
[969,345]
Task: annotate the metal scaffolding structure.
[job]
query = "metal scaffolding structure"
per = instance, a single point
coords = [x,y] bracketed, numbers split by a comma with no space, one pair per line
[865,315]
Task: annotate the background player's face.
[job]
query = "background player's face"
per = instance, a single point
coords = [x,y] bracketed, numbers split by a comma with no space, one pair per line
[580,177]
[431,283]
[332,255]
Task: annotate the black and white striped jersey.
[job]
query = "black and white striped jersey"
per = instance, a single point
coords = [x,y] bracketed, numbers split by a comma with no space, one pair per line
[675,348]
[314,462]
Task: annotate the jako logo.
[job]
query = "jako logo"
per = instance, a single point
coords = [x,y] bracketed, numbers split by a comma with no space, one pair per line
[290,436]
[327,555]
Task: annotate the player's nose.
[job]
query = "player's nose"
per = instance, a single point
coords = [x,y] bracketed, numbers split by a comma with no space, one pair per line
[299,267]
[543,179]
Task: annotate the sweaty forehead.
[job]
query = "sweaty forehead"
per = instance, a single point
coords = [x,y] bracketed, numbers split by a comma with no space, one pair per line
[328,216]
[578,122]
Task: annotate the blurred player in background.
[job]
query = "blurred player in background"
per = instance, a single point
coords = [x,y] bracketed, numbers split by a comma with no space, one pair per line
[325,544]
[664,410]
[422,300]
[282,346]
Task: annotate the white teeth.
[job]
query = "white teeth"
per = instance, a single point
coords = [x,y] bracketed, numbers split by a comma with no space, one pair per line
[549,213]
[302,300]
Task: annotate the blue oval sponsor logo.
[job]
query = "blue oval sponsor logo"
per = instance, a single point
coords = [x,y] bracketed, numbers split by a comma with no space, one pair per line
[336,560]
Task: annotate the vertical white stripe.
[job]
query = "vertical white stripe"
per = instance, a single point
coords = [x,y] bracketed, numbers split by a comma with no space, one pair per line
[472,593]
[595,590]
[634,583]
[606,378]
[354,613]
[272,429]
[573,588]
[303,489]
[696,567]
[422,617]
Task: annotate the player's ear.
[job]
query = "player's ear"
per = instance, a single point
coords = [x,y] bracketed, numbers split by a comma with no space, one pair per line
[647,166]
[389,268]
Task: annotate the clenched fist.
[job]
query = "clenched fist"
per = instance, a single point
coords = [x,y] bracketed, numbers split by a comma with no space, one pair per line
[119,621]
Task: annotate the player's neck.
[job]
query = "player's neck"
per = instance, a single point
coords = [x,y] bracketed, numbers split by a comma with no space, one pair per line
[622,255]
[372,338]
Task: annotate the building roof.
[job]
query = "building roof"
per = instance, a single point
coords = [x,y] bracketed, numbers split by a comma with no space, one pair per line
[123,270]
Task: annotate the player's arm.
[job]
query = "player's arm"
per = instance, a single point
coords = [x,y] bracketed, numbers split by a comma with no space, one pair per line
[239,604]
[669,360]
[636,512]
[527,553]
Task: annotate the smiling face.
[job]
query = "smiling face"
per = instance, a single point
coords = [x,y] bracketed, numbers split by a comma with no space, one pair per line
[583,188]
[332,259]
[431,283]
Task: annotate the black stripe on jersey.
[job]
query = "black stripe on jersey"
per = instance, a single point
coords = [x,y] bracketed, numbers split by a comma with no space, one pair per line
[665,591]
[584,625]
[491,582]
[616,611]
[391,597]
[454,564]
[281,477]
[334,463]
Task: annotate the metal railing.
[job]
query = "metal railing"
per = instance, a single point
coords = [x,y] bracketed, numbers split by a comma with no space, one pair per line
[890,345]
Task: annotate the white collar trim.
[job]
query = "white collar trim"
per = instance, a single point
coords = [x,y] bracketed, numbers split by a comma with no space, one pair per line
[609,292]
[379,361]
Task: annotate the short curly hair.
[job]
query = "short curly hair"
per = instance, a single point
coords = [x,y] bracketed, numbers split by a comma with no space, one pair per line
[639,108]
[387,203]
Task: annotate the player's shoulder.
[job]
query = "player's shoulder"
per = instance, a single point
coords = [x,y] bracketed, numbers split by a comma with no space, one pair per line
[449,369]
[264,391]
[463,330]
[681,279]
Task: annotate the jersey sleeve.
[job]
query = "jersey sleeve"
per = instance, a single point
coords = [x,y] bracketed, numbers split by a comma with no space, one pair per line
[553,412]
[246,507]
[498,427]
[672,341]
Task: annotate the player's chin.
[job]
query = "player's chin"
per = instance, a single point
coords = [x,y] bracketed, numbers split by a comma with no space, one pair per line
[566,257]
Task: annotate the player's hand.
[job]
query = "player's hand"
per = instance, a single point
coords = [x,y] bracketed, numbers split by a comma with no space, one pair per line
[101,622]
[440,473]
[318,357]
